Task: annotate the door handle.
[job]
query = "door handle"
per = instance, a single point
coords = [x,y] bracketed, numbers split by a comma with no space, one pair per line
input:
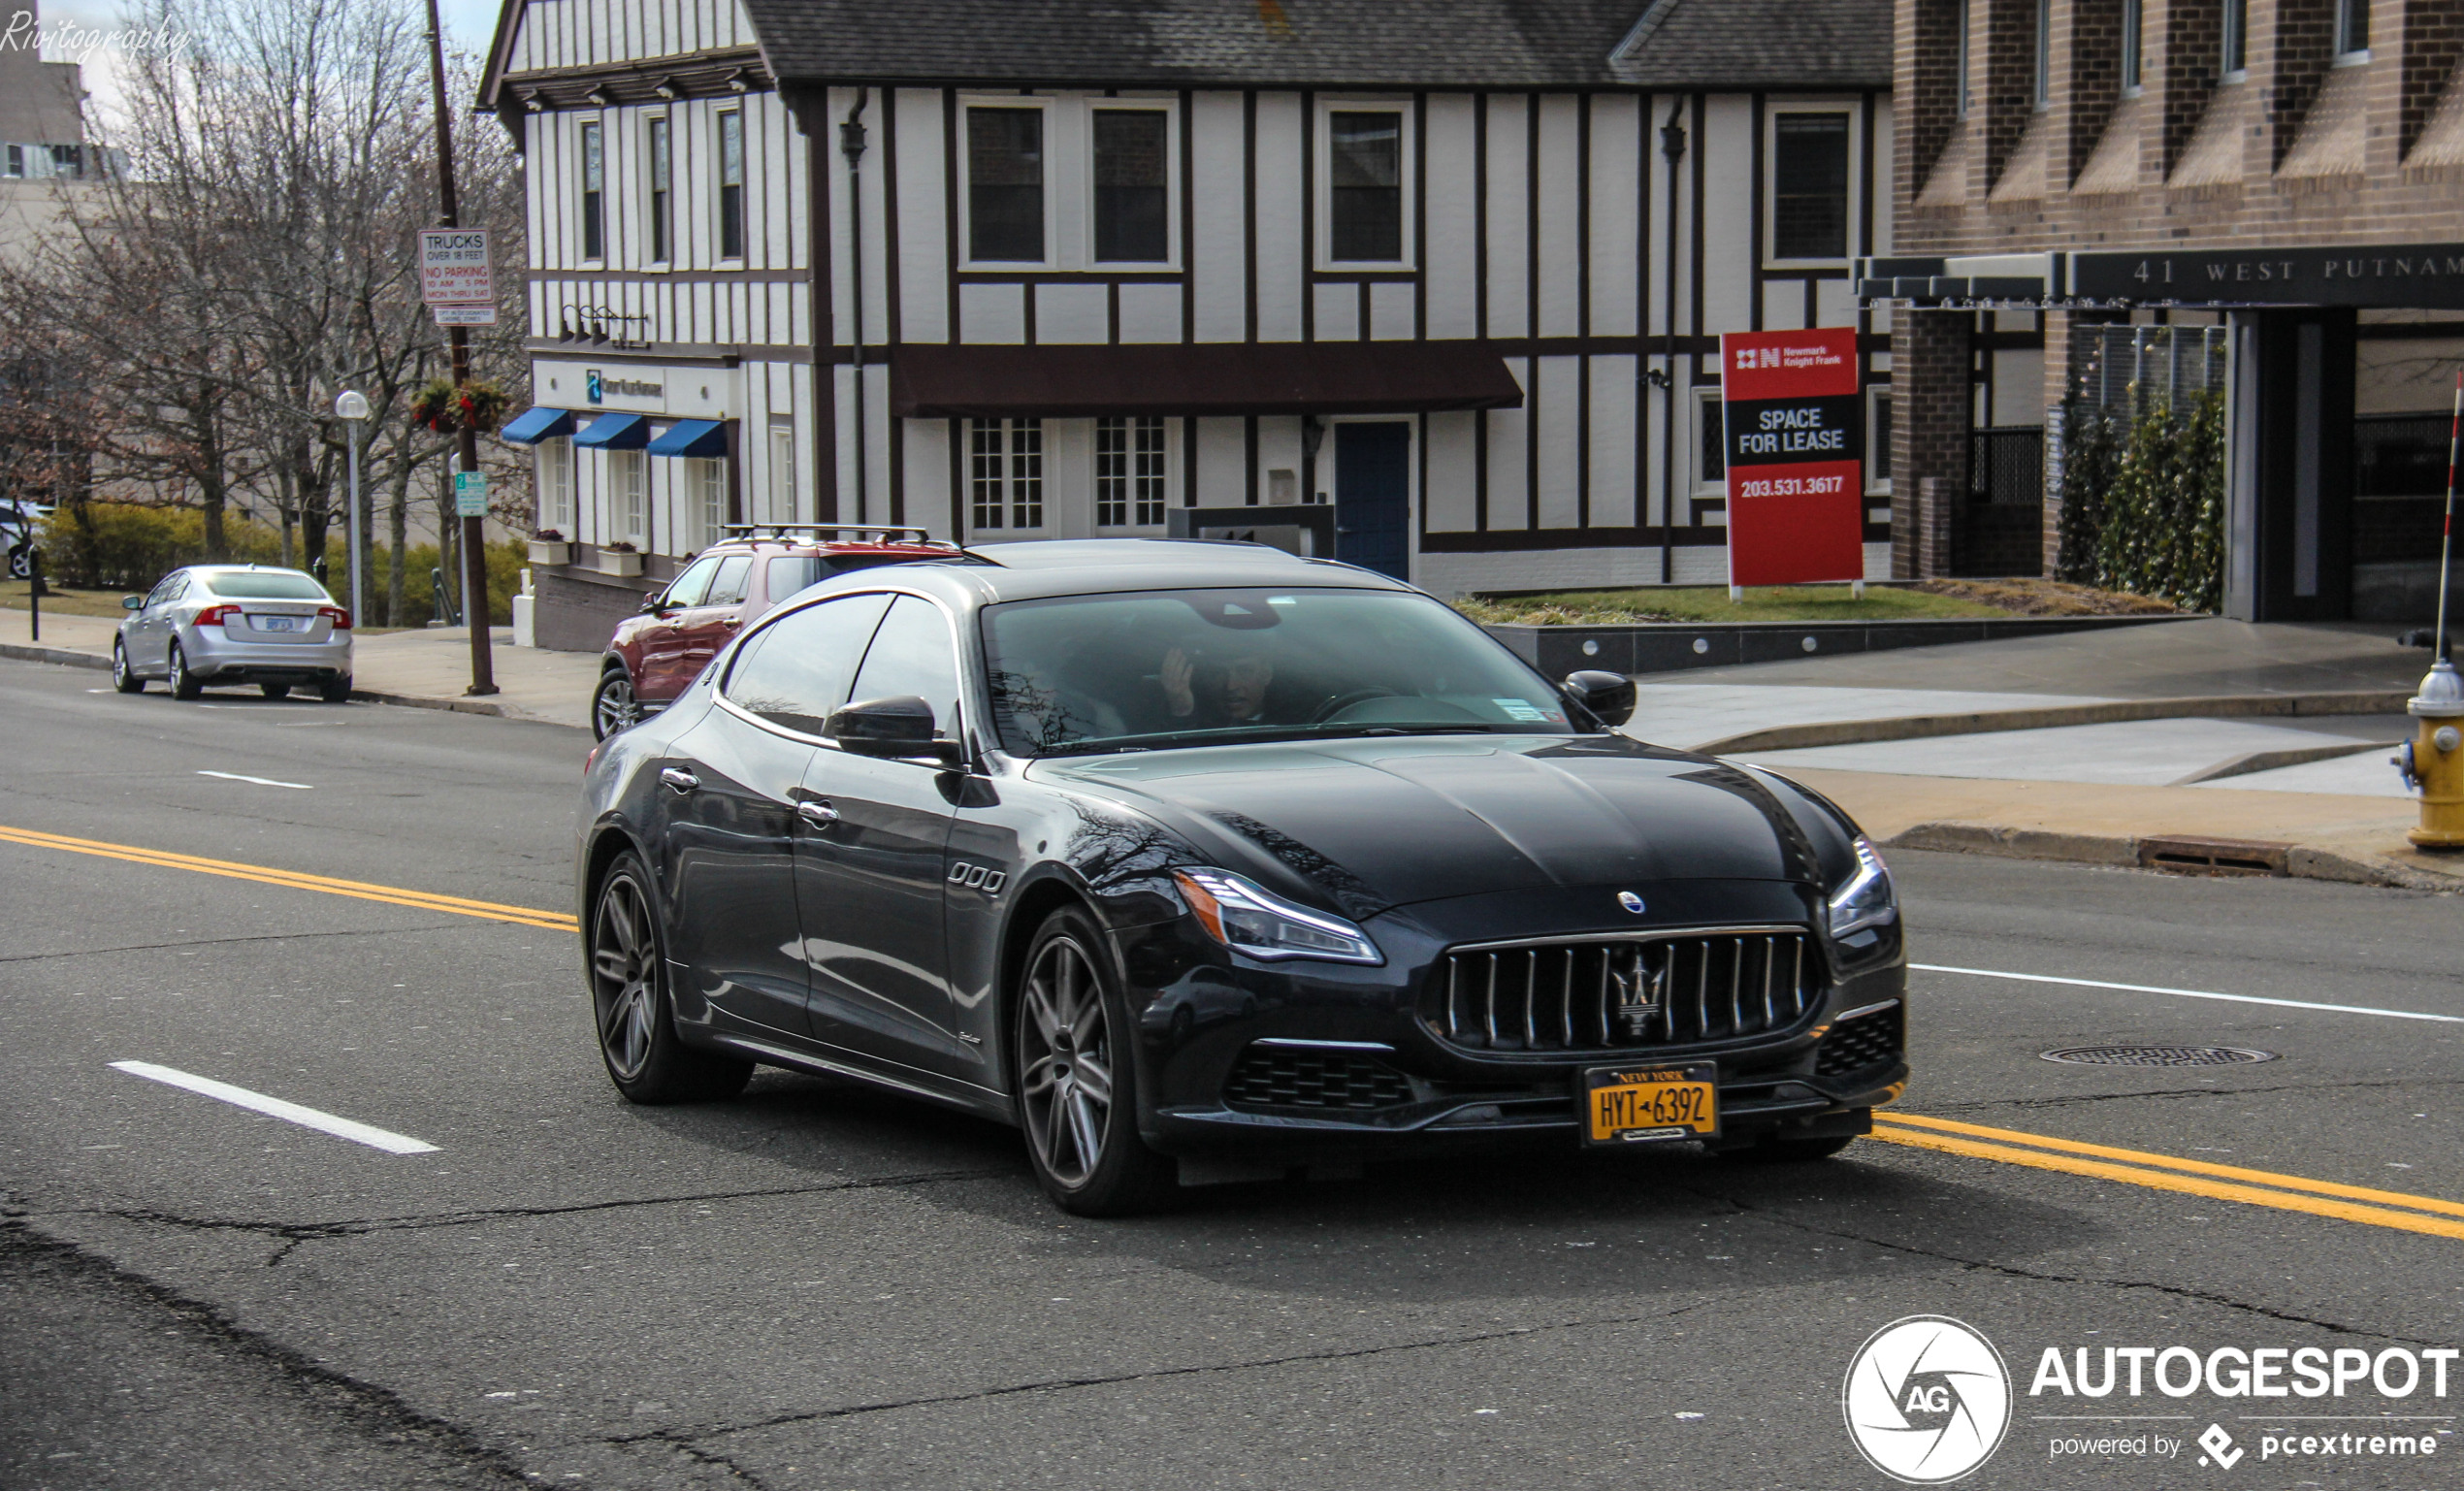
[731,622]
[818,812]
[680,779]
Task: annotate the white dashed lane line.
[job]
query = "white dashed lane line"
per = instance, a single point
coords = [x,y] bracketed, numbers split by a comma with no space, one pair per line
[233,776]
[273,1107]
[2189,993]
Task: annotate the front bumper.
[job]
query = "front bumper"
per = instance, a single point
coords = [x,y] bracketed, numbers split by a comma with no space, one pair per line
[1203,1014]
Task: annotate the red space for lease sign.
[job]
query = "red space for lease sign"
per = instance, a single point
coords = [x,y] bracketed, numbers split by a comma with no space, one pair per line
[1794,423]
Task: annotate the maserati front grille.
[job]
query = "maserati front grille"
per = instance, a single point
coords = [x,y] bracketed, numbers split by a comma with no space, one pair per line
[1625,993]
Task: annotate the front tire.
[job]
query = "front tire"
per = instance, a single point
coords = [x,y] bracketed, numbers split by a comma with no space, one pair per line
[1077,1081]
[184,683]
[124,677]
[613,706]
[637,1040]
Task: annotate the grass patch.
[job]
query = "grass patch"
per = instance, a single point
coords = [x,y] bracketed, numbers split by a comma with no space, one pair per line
[1711,603]
[60,600]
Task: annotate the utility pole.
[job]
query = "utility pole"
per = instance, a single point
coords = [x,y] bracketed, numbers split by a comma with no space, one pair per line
[474,542]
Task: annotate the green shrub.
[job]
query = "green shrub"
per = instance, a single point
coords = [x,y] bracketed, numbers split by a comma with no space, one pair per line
[2143,501]
[126,546]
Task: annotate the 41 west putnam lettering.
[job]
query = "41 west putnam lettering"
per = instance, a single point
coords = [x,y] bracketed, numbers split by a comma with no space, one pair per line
[1795,417]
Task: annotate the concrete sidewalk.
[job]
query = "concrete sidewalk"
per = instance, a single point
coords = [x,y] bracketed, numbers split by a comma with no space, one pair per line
[427,668]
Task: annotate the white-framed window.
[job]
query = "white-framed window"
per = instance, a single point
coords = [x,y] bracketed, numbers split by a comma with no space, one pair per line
[629,482]
[658,159]
[1005,474]
[1134,176]
[556,484]
[782,504]
[1006,180]
[1130,465]
[2353,31]
[2044,69]
[1364,184]
[2133,60]
[1961,95]
[594,188]
[704,511]
[2235,24]
[731,183]
[1809,200]
[1710,445]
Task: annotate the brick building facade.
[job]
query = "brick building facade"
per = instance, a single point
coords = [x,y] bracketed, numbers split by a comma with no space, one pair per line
[2084,130]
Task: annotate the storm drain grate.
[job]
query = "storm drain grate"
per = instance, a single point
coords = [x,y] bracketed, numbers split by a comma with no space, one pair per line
[2157,1055]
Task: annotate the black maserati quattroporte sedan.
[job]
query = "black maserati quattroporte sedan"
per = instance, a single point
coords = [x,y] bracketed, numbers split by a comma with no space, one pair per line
[1199,859]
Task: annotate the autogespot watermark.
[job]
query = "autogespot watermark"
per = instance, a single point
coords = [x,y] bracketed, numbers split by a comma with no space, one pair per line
[69,42]
[1929,1401]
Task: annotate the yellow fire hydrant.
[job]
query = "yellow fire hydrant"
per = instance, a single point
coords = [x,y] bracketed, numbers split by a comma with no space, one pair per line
[2433,760]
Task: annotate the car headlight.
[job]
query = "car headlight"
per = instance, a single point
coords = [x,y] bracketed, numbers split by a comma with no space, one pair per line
[1867,899]
[1258,924]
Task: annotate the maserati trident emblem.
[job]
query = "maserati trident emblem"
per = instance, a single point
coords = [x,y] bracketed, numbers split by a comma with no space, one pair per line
[1639,989]
[1631,901]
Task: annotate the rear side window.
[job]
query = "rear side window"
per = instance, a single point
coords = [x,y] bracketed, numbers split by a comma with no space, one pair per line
[794,672]
[727,585]
[792,572]
[911,654]
[266,585]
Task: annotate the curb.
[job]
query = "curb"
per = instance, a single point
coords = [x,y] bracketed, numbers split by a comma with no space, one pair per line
[2294,862]
[1926,727]
[25,653]
[64,657]
[1676,646]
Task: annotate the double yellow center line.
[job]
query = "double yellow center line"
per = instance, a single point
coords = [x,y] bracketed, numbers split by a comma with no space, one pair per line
[391,895]
[2165,1172]
[1917,1131]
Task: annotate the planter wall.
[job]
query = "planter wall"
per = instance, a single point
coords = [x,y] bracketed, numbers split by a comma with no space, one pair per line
[1666,647]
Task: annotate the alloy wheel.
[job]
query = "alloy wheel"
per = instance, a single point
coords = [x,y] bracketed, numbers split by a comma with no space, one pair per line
[1065,1063]
[624,968]
[616,708]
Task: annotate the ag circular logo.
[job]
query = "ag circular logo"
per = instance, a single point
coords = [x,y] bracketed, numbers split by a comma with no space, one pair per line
[1927,1400]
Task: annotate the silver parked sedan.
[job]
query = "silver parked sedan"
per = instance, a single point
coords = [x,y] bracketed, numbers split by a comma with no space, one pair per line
[228,623]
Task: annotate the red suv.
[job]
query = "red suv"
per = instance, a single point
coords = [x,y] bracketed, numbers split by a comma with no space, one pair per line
[656,655]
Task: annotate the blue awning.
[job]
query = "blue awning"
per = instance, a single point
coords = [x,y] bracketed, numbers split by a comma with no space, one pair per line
[616,432]
[539,424]
[692,438]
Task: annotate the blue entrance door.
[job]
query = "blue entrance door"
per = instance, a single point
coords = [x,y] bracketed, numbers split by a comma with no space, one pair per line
[1372,496]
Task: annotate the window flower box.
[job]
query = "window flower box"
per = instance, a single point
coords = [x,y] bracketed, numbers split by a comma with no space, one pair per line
[551,551]
[624,563]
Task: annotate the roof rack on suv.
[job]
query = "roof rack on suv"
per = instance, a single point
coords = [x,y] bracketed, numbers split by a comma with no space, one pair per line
[877,533]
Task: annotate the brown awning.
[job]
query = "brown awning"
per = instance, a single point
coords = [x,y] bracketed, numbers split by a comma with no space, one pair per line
[934,381]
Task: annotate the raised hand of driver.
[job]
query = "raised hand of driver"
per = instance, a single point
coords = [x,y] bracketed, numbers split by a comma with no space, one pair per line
[1174,677]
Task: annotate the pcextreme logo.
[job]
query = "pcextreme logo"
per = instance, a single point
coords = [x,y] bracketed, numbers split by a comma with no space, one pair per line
[1927,1400]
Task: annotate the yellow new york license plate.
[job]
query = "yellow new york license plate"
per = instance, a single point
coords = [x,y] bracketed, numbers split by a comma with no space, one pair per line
[1640,1104]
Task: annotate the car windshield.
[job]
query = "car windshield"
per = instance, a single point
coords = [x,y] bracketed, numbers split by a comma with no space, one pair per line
[1195,666]
[265,585]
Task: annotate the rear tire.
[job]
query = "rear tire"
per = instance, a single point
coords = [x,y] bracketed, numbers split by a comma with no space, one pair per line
[124,677]
[275,690]
[626,954]
[1077,1079]
[336,690]
[184,683]
[613,706]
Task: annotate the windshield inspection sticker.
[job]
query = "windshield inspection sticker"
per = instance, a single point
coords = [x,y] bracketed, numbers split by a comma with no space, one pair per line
[1521,709]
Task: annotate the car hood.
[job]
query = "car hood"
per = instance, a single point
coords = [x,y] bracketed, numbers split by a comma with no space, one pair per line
[1383,821]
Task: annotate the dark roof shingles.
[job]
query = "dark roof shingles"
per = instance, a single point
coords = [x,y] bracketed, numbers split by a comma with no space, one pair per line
[1328,43]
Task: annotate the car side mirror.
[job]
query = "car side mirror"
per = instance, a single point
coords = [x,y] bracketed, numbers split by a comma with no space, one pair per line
[654,603]
[894,729]
[1609,696]
[132,602]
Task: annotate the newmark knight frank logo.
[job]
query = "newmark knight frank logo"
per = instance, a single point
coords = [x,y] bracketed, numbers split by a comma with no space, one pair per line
[1927,1400]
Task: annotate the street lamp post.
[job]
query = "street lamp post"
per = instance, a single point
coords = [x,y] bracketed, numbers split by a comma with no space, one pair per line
[352,409]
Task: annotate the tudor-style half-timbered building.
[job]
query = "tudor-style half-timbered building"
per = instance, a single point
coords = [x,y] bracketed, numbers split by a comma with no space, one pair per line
[1003,268]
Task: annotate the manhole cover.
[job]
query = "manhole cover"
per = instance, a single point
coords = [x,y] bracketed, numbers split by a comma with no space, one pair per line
[2157,1055]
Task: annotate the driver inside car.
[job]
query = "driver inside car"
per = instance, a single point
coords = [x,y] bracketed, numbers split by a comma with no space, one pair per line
[1231,690]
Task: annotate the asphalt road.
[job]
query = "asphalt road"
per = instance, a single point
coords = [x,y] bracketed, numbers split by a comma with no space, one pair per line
[817,1287]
